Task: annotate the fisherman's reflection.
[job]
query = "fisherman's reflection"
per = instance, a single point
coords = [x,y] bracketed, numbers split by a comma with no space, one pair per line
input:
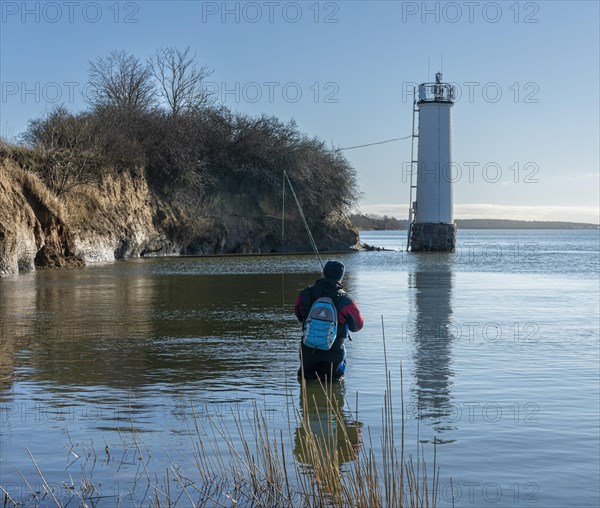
[328,436]
[433,336]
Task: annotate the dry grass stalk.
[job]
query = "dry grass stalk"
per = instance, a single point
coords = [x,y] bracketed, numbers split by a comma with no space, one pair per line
[247,465]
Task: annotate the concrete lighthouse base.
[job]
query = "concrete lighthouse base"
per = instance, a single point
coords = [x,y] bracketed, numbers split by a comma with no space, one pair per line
[428,237]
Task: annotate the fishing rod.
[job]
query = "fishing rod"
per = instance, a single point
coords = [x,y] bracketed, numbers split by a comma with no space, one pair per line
[310,236]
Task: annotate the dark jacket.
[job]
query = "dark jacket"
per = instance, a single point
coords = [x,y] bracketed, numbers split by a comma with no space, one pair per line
[349,317]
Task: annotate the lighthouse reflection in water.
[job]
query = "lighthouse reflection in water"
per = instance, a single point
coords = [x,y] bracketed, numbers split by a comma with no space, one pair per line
[432,334]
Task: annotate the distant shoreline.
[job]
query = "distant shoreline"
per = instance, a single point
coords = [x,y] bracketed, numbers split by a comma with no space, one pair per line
[379,223]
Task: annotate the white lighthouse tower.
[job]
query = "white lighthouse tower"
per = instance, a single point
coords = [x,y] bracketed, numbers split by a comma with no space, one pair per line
[433,227]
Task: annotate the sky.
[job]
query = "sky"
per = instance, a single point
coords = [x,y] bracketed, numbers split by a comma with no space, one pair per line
[526,120]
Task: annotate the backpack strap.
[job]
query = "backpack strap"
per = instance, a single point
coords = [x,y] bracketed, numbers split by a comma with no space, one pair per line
[336,297]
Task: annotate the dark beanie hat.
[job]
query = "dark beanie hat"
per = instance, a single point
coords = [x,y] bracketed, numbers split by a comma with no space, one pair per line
[334,270]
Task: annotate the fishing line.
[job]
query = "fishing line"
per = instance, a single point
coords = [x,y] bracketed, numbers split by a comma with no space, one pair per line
[310,236]
[282,235]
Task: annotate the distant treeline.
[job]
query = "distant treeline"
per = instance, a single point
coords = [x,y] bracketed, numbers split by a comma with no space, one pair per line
[370,222]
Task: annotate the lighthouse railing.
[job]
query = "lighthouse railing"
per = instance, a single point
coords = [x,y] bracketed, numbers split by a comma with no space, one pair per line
[436,92]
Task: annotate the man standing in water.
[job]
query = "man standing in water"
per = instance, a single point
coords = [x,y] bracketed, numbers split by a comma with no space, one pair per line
[327,361]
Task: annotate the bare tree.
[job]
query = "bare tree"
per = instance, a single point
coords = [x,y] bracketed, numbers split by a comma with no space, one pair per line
[121,80]
[180,80]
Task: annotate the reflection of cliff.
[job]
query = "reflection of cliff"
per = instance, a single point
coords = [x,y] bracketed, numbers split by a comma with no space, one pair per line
[432,335]
[8,332]
[6,360]
[328,436]
[17,304]
[89,329]
[124,326]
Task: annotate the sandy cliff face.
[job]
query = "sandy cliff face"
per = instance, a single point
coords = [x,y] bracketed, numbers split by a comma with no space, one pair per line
[117,221]
[89,225]
[33,229]
[17,225]
[239,223]
[122,218]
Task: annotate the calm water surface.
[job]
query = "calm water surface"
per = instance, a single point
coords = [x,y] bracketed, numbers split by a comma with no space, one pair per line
[499,346]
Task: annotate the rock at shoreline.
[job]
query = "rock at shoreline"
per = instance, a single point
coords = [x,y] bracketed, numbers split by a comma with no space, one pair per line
[47,257]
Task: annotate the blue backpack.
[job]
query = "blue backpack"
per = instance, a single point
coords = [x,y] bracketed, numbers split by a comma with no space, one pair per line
[320,327]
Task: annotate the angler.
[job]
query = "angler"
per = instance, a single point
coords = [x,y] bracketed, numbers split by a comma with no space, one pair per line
[327,314]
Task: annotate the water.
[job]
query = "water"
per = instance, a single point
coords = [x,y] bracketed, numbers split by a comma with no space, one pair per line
[499,346]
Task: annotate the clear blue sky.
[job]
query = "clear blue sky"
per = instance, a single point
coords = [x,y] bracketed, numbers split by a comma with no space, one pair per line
[351,62]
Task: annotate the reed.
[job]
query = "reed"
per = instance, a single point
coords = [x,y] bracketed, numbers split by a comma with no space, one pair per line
[260,474]
[334,462]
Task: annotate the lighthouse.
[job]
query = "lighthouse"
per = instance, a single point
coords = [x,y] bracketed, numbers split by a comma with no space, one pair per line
[431,216]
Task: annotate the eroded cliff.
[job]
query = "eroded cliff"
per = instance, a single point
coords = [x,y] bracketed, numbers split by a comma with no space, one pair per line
[121,218]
